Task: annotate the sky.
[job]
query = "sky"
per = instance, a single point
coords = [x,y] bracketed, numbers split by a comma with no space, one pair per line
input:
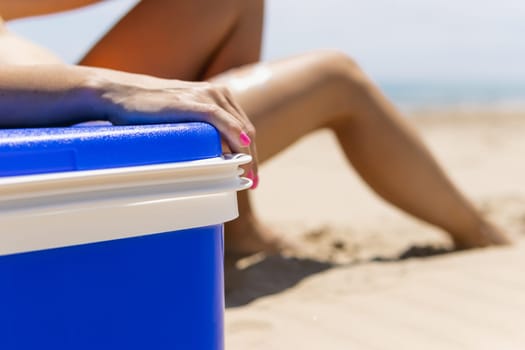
[393,40]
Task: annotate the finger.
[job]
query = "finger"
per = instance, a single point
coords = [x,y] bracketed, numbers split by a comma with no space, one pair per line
[255,167]
[251,133]
[229,127]
[250,170]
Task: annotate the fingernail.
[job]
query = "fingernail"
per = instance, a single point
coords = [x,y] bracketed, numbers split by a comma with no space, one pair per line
[255,183]
[245,139]
[249,174]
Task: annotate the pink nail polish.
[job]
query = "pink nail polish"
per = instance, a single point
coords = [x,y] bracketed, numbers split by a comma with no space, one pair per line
[245,139]
[255,183]
[249,174]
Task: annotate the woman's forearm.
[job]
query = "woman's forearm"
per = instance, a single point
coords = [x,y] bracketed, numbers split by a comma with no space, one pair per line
[59,94]
[44,95]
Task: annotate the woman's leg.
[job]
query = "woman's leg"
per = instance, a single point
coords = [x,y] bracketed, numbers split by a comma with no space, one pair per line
[288,99]
[195,40]
[187,40]
[191,40]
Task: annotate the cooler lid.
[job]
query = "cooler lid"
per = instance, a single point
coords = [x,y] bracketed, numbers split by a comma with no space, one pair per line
[50,150]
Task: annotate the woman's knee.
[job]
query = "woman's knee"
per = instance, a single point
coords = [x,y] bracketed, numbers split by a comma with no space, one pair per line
[352,91]
[341,67]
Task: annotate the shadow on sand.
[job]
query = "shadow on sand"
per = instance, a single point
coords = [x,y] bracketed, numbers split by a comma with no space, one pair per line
[275,274]
[425,251]
[270,275]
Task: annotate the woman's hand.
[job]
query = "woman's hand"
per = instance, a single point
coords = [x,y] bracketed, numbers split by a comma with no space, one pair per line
[151,100]
[58,94]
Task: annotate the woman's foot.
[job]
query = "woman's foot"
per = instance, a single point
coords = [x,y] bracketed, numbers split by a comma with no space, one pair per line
[487,234]
[246,236]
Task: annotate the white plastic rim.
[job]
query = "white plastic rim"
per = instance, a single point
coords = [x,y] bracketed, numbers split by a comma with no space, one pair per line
[71,208]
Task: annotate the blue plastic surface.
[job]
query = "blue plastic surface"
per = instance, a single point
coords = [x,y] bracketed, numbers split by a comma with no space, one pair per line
[47,150]
[158,291]
[163,291]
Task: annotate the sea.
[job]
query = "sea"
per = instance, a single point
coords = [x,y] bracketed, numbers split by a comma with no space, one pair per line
[461,95]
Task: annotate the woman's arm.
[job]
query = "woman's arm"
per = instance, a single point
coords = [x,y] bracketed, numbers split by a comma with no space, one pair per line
[46,95]
[59,94]
[11,9]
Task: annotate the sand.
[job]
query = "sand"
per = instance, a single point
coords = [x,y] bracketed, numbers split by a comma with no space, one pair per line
[366,276]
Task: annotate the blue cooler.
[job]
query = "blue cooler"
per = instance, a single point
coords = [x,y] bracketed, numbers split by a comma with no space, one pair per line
[111,237]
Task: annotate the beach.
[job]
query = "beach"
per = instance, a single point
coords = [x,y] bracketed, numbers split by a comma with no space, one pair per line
[364,275]
[361,274]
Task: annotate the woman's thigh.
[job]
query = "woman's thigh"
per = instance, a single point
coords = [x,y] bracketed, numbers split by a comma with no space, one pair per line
[188,40]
